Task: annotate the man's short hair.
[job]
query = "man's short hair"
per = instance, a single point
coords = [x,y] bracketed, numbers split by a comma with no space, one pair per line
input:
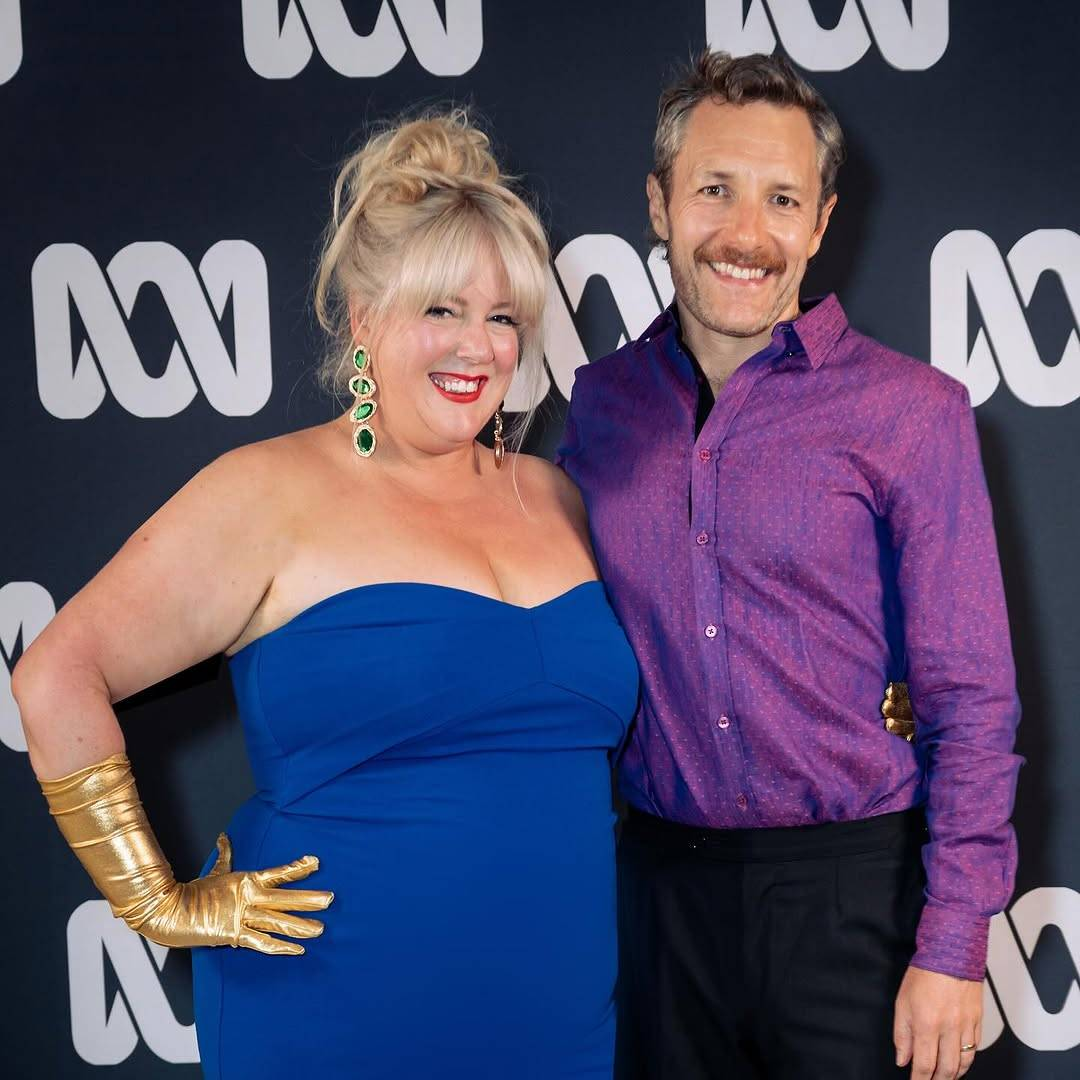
[740,80]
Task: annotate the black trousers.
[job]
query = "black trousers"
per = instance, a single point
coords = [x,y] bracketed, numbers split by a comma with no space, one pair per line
[765,954]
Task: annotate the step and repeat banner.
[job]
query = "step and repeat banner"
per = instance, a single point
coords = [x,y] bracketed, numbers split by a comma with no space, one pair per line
[166,173]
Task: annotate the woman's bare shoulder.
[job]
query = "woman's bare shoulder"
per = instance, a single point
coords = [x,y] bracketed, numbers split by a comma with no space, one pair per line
[539,479]
[274,461]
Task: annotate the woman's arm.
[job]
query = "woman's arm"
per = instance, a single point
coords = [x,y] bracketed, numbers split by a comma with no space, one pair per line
[181,589]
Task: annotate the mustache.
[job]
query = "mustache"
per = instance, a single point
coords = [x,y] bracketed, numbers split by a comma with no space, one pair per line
[752,260]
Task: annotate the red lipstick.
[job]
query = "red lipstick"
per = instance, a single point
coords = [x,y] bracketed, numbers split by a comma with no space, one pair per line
[450,395]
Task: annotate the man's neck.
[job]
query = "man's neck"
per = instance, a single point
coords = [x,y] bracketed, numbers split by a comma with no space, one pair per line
[718,355]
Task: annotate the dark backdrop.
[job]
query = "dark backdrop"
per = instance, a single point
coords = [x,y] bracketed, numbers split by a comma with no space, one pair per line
[165,174]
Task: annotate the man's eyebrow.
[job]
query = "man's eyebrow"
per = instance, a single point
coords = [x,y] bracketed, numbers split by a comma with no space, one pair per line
[723,174]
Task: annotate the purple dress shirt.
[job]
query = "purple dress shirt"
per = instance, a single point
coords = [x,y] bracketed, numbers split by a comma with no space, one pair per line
[828,531]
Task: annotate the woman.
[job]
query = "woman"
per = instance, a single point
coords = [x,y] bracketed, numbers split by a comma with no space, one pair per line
[428,673]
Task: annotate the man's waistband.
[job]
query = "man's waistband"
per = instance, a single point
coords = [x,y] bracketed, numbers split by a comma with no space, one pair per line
[784,844]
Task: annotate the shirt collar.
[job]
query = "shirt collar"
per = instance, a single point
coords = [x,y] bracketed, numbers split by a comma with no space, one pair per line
[817,330]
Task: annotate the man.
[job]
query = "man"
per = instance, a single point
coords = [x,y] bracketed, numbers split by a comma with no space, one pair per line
[788,516]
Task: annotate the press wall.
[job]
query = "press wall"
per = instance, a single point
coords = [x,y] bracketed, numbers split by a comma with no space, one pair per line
[165,175]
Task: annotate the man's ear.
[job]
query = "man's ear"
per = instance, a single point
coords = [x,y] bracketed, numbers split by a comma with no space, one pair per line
[822,224]
[657,207]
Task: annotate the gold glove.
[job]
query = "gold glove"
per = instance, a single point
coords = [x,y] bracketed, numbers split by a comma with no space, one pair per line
[99,813]
[896,708]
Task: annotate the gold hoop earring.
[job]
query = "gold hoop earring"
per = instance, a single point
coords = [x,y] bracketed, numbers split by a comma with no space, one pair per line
[363,386]
[500,448]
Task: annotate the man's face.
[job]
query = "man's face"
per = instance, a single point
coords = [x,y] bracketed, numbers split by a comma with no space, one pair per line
[742,218]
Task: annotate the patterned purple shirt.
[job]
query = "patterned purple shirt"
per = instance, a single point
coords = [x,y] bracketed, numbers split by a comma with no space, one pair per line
[827,531]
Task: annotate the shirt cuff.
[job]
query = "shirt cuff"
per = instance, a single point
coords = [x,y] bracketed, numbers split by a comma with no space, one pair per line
[952,942]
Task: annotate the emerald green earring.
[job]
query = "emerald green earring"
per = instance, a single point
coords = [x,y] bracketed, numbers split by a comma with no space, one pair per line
[363,409]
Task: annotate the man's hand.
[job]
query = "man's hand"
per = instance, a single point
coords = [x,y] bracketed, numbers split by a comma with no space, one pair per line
[935,1016]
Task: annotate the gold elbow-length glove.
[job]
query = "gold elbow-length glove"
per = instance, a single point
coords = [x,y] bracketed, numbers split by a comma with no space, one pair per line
[99,813]
[896,708]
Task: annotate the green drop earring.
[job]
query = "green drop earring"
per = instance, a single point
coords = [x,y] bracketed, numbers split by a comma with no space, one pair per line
[363,409]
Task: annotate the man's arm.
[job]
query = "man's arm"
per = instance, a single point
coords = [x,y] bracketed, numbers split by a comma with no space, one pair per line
[962,683]
[963,692]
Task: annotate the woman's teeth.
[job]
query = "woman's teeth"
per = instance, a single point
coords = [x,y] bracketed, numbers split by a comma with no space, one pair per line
[456,386]
[744,273]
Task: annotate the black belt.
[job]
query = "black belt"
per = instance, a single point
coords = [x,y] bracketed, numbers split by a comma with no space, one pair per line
[783,844]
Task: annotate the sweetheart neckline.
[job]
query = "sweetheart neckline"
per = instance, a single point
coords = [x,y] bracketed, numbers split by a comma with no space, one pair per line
[319,604]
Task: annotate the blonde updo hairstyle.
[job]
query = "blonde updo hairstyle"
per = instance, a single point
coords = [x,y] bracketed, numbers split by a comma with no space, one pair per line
[413,211]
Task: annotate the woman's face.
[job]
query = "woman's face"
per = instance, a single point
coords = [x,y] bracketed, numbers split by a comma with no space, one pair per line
[442,375]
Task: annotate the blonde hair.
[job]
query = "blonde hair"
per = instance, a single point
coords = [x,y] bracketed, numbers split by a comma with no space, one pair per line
[413,210]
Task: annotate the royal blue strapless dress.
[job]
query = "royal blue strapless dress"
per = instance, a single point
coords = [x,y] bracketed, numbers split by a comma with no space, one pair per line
[446,756]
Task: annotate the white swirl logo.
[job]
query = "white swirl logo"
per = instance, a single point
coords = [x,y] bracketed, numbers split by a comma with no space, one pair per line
[11,44]
[1011,995]
[280,48]
[967,260]
[910,43]
[107,1033]
[72,383]
[25,610]
[640,292]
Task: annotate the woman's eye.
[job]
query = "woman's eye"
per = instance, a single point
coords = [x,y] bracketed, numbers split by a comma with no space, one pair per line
[438,311]
[505,320]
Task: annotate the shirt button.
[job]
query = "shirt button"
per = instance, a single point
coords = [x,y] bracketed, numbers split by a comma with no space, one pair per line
[723,723]
[741,801]
[704,455]
[710,631]
[703,538]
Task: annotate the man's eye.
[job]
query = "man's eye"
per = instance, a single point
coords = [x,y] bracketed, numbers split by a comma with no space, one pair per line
[784,200]
[713,189]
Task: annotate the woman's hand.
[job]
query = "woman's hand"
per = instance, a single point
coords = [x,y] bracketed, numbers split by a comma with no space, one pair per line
[238,908]
[99,812]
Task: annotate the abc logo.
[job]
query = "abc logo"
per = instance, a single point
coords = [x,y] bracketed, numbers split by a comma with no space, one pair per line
[910,42]
[11,47]
[969,261]
[640,291]
[73,376]
[279,48]
[25,610]
[107,1032]
[1011,996]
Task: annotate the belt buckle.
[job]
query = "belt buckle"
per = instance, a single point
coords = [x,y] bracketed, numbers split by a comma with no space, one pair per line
[896,708]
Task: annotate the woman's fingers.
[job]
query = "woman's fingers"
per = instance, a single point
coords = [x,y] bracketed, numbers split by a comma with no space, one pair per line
[297,870]
[277,922]
[291,899]
[252,939]
[223,862]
